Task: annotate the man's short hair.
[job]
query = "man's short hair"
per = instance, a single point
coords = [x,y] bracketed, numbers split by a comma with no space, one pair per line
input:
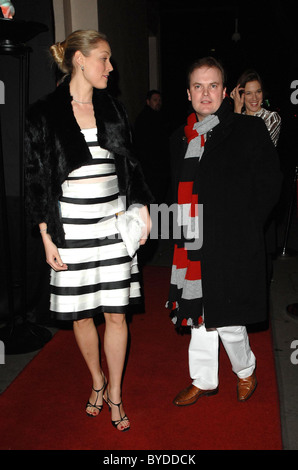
[207,62]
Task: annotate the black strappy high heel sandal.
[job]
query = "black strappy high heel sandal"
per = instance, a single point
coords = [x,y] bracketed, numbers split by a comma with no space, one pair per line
[98,407]
[122,418]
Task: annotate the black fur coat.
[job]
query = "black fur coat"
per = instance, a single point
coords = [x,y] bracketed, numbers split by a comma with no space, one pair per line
[54,146]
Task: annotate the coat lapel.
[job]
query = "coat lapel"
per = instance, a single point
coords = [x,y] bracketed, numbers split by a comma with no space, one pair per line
[73,146]
[222,130]
[112,129]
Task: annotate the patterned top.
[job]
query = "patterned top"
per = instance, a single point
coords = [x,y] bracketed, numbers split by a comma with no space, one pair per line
[273,123]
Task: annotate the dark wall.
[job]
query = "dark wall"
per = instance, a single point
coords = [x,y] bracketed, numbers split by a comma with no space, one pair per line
[41,81]
[269,43]
[127,31]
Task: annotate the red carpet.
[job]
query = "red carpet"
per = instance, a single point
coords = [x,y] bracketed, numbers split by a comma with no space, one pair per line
[43,409]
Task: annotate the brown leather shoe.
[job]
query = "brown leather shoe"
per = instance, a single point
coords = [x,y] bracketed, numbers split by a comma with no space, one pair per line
[246,387]
[191,394]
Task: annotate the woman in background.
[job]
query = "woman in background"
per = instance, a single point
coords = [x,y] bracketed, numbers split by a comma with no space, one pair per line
[79,169]
[248,99]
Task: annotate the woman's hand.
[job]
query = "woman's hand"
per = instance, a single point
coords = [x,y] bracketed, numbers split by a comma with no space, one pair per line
[51,251]
[53,257]
[144,214]
[238,99]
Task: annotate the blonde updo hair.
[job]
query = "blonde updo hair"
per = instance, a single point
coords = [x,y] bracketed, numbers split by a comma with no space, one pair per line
[81,40]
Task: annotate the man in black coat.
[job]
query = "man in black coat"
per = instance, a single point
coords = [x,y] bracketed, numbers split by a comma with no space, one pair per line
[226,164]
[151,137]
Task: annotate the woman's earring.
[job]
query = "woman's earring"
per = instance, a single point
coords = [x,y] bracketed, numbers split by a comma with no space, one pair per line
[82,68]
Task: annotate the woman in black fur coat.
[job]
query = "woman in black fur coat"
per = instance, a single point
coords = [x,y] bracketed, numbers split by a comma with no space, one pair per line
[80,172]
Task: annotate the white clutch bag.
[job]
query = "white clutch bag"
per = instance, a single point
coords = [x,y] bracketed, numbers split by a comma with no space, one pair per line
[130,226]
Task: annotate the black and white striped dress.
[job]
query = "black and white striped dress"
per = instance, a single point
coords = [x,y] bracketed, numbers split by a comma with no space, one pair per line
[101,277]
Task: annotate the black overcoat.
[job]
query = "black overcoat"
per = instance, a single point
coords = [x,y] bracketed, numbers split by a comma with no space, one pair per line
[54,146]
[239,183]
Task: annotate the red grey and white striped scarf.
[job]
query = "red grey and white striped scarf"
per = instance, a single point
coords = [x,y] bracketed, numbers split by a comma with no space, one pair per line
[185,296]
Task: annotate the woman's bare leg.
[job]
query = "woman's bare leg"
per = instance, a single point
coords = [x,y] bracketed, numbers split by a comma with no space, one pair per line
[115,347]
[87,339]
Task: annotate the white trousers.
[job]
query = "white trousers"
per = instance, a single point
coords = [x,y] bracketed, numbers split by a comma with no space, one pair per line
[203,354]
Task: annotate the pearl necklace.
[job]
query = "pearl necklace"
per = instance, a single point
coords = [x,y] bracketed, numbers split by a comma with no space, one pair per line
[82,102]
